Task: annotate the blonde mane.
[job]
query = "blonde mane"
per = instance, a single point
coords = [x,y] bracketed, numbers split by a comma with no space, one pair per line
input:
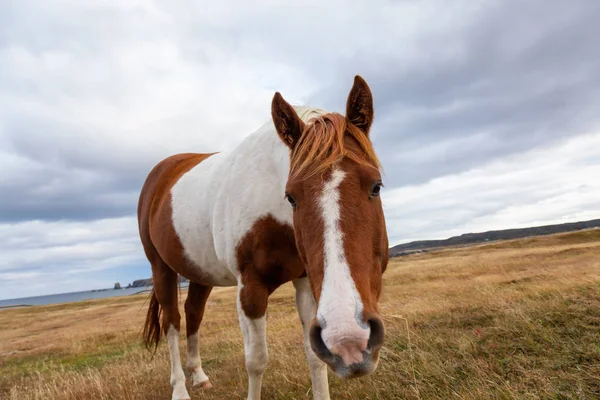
[322,143]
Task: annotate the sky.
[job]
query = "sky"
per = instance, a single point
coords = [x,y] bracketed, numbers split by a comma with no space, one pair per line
[487,113]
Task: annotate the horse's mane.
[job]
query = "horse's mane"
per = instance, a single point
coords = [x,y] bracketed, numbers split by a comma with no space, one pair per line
[322,143]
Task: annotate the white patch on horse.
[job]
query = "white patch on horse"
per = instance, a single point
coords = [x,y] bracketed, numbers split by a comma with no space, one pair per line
[305,303]
[177,375]
[256,353]
[194,362]
[218,201]
[340,306]
[191,202]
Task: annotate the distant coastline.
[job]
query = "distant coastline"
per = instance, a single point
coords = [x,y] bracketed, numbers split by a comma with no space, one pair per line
[140,283]
[61,298]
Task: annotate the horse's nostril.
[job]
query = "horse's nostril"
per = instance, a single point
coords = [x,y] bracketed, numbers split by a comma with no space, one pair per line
[317,344]
[377,333]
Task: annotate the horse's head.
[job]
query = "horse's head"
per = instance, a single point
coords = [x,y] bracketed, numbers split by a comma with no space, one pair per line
[333,187]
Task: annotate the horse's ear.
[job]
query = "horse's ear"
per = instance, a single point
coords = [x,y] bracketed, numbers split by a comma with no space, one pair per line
[359,107]
[287,123]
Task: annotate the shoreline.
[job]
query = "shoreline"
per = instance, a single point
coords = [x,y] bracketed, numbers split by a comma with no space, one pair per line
[73,297]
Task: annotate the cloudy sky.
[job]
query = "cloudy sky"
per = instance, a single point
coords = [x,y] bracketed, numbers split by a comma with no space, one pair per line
[487,113]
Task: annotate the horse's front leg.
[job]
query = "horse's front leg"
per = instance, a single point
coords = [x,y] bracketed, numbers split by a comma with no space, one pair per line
[307,308]
[252,307]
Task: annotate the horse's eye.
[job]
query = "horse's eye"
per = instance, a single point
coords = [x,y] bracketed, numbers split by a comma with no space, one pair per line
[376,189]
[291,200]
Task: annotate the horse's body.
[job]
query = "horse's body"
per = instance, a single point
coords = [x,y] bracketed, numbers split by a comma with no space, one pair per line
[222,219]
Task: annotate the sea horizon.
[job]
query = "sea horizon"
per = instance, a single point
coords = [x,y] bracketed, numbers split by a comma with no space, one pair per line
[70,297]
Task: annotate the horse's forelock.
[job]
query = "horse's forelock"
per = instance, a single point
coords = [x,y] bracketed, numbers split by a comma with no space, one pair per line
[322,145]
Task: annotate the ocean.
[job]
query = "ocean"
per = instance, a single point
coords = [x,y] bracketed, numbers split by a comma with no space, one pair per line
[74,296]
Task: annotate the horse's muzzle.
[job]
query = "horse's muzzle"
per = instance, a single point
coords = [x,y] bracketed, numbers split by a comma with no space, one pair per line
[350,357]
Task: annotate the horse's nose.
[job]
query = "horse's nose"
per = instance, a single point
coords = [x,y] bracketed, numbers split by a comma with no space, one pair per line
[351,350]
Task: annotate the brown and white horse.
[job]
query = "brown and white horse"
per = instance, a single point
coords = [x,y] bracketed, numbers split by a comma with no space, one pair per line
[297,200]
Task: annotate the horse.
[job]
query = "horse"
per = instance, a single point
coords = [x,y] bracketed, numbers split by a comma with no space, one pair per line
[296,200]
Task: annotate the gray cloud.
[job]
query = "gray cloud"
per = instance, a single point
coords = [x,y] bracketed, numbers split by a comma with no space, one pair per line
[451,93]
[516,77]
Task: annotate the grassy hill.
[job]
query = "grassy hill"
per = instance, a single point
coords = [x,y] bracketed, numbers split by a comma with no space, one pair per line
[515,319]
[490,236]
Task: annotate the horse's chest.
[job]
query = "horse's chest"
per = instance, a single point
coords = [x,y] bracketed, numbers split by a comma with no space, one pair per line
[267,254]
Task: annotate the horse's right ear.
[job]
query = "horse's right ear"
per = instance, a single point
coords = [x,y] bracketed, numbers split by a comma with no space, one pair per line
[287,123]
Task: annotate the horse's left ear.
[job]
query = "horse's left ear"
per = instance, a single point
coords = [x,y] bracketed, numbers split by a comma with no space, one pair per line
[359,107]
[288,124]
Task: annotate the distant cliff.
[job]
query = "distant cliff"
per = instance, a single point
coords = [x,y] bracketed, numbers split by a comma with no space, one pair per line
[489,236]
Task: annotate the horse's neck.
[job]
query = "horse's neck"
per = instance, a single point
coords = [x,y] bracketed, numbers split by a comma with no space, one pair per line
[245,185]
[251,178]
[263,156]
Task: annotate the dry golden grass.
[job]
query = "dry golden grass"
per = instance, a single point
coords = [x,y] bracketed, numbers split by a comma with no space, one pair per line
[509,320]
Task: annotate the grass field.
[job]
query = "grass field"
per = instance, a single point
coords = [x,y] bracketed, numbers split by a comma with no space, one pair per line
[509,320]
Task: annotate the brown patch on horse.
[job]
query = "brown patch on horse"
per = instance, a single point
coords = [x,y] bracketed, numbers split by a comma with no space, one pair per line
[163,299]
[161,243]
[357,222]
[195,304]
[267,258]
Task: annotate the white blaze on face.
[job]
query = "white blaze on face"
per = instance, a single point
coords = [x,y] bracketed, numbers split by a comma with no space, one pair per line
[340,307]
